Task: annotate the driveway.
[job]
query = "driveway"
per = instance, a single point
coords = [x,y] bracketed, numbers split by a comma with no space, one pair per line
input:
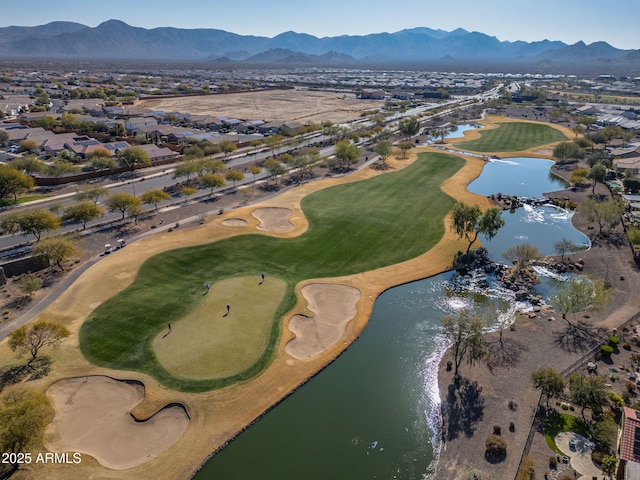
[580,455]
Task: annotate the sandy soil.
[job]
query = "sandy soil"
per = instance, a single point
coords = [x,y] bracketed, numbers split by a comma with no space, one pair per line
[334,306]
[273,219]
[93,416]
[217,416]
[235,222]
[302,106]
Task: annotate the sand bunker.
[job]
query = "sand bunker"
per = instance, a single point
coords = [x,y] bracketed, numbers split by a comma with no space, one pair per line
[334,306]
[273,219]
[234,222]
[93,416]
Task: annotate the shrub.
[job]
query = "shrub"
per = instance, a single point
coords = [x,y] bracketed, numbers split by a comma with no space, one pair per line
[631,386]
[475,475]
[613,341]
[495,446]
[526,471]
[616,399]
[626,346]
[606,350]
[497,430]
[597,456]
[512,426]
[553,462]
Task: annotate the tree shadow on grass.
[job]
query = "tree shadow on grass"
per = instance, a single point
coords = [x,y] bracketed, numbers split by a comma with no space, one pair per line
[579,337]
[504,354]
[39,368]
[463,410]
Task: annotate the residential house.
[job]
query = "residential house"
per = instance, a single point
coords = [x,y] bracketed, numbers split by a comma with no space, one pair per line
[136,122]
[158,153]
[630,443]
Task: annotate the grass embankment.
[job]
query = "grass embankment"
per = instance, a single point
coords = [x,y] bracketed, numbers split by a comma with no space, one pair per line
[563,422]
[7,202]
[512,137]
[353,228]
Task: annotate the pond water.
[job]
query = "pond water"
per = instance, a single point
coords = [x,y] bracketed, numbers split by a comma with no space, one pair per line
[374,412]
[521,176]
[460,129]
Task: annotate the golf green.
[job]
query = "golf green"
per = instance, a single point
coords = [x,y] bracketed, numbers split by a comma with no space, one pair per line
[512,137]
[211,342]
[353,228]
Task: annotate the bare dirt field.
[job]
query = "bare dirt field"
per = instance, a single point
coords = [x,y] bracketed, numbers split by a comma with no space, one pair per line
[302,106]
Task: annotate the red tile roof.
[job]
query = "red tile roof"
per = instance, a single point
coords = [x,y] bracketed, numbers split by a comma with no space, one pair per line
[630,442]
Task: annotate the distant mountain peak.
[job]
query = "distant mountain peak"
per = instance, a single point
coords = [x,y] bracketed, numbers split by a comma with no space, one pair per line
[115,39]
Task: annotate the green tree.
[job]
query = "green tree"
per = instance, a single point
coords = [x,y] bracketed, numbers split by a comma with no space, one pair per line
[123,202]
[469,222]
[24,415]
[56,249]
[91,192]
[82,212]
[211,165]
[579,294]
[28,164]
[609,464]
[60,167]
[48,122]
[409,126]
[132,156]
[565,151]
[28,285]
[30,222]
[274,142]
[188,191]
[154,196]
[255,170]
[186,169]
[4,137]
[36,337]
[13,182]
[405,147]
[564,246]
[275,169]
[345,153]
[522,255]
[597,174]
[234,176]
[465,332]
[605,433]
[578,176]
[383,149]
[587,392]
[607,214]
[227,147]
[212,181]
[549,382]
[28,146]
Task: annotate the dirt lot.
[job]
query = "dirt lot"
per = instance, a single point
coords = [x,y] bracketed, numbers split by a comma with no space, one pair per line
[285,105]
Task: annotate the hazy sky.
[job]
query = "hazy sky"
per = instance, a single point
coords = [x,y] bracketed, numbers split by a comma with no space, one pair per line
[612,21]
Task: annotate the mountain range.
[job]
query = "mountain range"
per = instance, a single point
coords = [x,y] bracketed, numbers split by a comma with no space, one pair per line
[115,40]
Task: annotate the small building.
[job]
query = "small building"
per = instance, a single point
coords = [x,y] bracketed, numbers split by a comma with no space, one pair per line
[373,94]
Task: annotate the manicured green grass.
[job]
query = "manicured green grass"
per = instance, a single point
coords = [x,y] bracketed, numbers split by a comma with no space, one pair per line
[352,228]
[5,202]
[513,137]
[211,343]
[563,422]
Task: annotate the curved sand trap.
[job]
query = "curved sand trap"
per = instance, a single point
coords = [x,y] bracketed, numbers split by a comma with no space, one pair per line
[334,306]
[93,416]
[273,219]
[234,222]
